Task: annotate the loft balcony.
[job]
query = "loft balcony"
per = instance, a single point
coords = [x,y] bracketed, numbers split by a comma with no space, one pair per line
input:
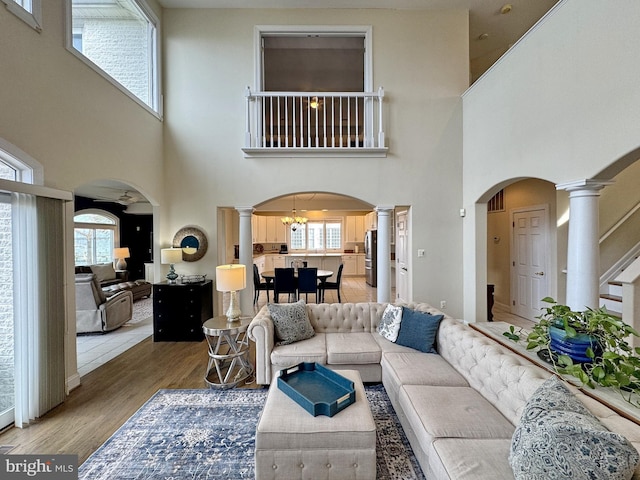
[315,124]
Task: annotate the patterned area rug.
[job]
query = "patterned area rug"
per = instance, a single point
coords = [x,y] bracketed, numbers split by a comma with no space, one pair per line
[209,434]
[142,309]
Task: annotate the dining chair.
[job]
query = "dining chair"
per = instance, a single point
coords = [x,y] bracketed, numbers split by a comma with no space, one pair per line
[324,286]
[308,282]
[284,282]
[259,286]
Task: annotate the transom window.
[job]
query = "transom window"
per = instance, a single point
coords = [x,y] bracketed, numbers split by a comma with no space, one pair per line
[318,235]
[119,39]
[94,237]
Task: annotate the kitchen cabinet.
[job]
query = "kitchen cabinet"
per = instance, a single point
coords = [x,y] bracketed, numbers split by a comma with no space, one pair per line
[279,261]
[355,229]
[275,231]
[258,229]
[179,310]
[371,221]
[260,262]
[360,265]
[350,265]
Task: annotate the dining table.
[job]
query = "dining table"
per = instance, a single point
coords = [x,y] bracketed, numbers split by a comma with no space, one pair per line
[270,275]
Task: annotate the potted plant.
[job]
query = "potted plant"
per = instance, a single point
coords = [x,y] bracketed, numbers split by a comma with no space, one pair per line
[591,345]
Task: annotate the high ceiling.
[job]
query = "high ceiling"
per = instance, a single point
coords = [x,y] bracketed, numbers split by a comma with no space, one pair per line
[491,34]
[485,17]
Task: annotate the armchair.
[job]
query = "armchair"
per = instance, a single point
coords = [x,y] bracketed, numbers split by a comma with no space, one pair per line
[95,313]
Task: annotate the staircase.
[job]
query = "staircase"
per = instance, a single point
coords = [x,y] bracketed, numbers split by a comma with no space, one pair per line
[612,298]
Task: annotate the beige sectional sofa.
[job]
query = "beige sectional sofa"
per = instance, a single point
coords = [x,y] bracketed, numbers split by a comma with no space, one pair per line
[459,408]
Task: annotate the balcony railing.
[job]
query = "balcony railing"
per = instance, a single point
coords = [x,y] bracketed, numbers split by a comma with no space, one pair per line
[307,122]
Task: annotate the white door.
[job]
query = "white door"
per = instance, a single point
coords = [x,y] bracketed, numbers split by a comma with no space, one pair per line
[529,273]
[402,257]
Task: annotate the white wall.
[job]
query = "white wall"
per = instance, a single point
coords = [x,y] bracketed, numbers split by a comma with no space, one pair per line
[71,120]
[562,105]
[419,57]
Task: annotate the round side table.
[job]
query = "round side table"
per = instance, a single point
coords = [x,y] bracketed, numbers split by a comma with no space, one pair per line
[228,352]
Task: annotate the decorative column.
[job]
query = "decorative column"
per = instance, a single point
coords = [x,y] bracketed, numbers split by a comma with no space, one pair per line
[246,258]
[384,253]
[583,248]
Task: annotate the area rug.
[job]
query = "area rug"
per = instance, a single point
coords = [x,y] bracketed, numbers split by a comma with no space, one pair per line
[209,434]
[142,309]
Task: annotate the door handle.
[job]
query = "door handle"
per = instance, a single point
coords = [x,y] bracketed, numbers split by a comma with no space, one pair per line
[404,268]
[540,273]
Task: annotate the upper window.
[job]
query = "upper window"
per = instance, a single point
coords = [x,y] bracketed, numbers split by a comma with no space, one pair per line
[120,39]
[27,10]
[94,237]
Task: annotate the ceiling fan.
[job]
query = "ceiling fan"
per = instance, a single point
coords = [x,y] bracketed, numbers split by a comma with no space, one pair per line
[124,199]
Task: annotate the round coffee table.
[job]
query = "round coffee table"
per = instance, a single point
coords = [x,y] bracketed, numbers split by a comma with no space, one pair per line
[228,352]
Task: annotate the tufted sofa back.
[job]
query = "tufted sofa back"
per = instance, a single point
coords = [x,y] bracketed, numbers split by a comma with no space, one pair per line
[353,317]
[502,377]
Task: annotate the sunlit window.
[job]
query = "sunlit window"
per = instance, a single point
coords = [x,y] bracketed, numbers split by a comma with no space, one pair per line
[120,38]
[317,236]
[94,237]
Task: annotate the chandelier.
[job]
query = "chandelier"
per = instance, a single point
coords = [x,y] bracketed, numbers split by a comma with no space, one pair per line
[294,220]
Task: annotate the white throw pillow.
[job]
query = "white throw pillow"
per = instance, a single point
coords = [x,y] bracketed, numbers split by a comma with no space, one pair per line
[389,326]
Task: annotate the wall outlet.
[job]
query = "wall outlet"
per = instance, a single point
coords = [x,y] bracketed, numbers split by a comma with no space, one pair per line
[443,304]
[421,252]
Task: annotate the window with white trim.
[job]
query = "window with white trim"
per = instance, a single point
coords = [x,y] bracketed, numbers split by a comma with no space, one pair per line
[29,11]
[119,39]
[322,235]
[94,235]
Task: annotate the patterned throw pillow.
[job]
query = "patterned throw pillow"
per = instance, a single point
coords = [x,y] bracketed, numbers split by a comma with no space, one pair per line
[559,438]
[291,322]
[389,325]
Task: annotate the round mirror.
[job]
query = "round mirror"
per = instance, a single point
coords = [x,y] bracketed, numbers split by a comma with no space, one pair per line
[193,243]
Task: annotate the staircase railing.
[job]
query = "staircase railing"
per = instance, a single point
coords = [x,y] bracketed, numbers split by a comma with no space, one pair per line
[315,120]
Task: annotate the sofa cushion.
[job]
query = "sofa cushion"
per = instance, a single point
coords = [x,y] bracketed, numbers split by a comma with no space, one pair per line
[389,325]
[291,322]
[416,368]
[418,330]
[104,272]
[313,349]
[451,412]
[559,438]
[352,348]
[472,458]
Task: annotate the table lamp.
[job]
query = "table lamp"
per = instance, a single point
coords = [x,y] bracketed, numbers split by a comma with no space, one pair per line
[120,254]
[171,256]
[231,278]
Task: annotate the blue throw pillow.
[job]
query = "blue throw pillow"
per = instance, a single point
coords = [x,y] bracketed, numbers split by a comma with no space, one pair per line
[418,330]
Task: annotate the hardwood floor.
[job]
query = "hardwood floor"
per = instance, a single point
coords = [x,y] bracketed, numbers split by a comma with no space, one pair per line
[114,391]
[108,396]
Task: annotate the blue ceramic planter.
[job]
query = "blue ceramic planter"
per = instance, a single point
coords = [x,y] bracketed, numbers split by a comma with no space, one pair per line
[574,347]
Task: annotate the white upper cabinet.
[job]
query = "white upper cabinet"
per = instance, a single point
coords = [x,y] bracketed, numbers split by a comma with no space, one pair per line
[355,228]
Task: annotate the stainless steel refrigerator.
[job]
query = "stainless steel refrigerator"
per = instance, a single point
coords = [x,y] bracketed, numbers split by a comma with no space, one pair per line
[371,257]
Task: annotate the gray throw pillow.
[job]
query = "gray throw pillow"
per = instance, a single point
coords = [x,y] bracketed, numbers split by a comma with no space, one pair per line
[559,438]
[291,322]
[104,272]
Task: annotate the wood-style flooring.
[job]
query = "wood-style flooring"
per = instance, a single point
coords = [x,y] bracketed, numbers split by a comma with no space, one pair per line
[114,391]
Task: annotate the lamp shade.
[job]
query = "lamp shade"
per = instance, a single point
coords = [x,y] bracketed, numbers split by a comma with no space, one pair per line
[122,252]
[231,278]
[170,255]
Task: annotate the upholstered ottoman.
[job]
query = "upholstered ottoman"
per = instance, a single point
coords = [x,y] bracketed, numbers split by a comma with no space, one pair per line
[293,444]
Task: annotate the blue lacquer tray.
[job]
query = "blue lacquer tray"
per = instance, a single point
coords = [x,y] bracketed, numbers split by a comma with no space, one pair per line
[317,389]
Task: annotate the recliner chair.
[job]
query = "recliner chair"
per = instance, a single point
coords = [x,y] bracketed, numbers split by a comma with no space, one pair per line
[95,313]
